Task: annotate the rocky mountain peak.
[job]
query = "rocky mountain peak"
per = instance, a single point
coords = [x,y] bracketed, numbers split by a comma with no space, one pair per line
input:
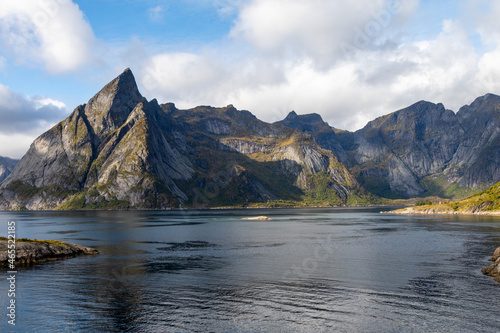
[291,115]
[309,118]
[487,102]
[311,123]
[111,106]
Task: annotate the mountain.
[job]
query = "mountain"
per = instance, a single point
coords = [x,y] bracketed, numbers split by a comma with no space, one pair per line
[121,151]
[6,167]
[422,150]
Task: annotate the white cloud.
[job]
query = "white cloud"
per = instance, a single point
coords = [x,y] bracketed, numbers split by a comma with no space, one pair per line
[317,29]
[51,32]
[181,77]
[287,54]
[15,145]
[23,118]
[156,13]
[348,92]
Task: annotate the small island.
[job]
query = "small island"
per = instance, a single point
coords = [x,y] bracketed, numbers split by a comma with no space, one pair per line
[29,251]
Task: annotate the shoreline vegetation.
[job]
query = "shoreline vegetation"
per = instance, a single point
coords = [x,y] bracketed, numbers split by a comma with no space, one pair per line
[381,202]
[30,251]
[485,203]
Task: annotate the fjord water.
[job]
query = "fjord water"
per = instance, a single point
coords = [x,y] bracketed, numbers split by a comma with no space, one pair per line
[306,270]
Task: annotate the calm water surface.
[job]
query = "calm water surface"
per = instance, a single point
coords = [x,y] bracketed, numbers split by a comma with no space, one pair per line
[307,270]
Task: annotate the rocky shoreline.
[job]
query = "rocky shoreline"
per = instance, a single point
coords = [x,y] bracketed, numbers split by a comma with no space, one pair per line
[439,211]
[32,251]
[494,269]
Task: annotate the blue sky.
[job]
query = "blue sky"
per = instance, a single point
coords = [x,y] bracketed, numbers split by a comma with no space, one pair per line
[348,61]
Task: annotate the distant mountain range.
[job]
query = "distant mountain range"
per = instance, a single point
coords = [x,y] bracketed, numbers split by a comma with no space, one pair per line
[124,152]
[423,149]
[6,167]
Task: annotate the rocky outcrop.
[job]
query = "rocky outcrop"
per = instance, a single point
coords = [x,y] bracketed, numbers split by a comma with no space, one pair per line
[494,269]
[440,210]
[6,167]
[32,251]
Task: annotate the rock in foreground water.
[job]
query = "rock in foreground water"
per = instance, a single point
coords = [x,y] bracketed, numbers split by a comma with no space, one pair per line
[494,269]
[31,251]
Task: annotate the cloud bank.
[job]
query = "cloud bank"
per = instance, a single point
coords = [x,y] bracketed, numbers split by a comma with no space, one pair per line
[23,118]
[21,114]
[348,61]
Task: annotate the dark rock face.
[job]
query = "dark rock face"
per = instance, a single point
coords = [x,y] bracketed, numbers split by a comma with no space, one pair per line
[35,251]
[6,167]
[420,150]
[110,153]
[479,152]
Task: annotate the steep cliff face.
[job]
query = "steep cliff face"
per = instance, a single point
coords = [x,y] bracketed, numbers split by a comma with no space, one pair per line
[6,167]
[477,160]
[404,147]
[121,151]
[258,161]
[106,154]
[420,150]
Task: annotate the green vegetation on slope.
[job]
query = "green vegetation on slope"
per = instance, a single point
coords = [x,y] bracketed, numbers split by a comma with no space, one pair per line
[488,201]
[26,240]
[438,186]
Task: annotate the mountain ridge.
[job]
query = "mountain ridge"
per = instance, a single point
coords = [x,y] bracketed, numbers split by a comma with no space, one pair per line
[120,151]
[424,149]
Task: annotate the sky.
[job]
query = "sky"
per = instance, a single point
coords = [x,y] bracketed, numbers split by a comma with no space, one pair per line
[349,61]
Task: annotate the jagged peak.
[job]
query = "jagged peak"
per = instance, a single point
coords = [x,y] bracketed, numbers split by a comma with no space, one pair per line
[291,115]
[111,106]
[417,111]
[304,118]
[488,98]
[488,103]
[418,108]
[123,84]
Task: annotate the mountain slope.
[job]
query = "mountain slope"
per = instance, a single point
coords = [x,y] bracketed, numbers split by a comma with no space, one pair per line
[121,151]
[98,157]
[422,150]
